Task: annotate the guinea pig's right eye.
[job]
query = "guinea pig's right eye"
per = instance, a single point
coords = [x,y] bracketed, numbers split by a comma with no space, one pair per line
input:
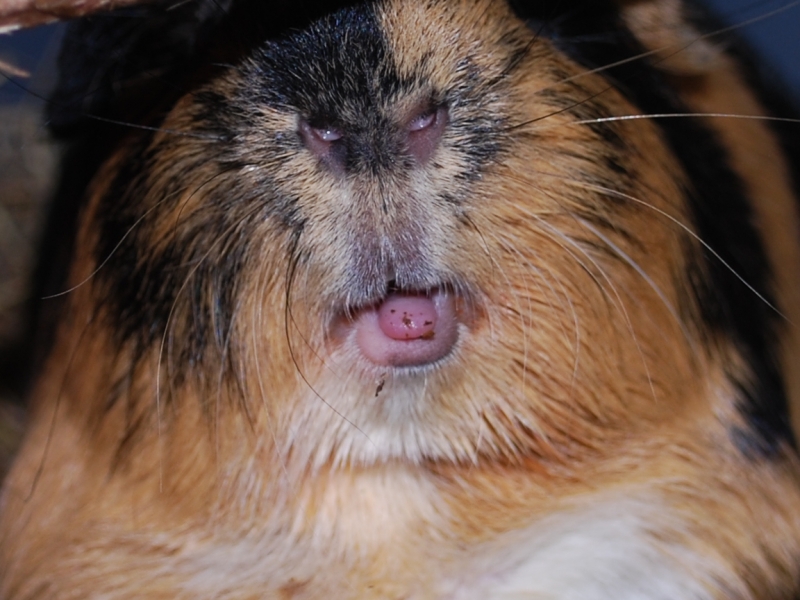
[322,140]
[321,132]
[327,134]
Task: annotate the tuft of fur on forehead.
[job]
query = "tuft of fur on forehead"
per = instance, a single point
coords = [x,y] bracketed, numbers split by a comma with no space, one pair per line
[605,395]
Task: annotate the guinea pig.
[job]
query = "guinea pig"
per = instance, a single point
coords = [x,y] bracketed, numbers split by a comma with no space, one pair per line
[416,299]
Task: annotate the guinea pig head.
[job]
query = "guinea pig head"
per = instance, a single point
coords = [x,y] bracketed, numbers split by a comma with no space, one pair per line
[405,231]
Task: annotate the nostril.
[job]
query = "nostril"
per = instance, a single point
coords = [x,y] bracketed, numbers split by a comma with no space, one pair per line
[424,130]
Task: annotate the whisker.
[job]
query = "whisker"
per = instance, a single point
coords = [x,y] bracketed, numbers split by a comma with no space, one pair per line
[678,48]
[225,356]
[519,308]
[565,295]
[52,428]
[168,333]
[290,320]
[678,116]
[686,229]
[110,255]
[620,303]
[643,274]
[175,132]
[638,117]
[465,292]
[8,72]
[262,286]
[752,20]
[674,48]
[692,234]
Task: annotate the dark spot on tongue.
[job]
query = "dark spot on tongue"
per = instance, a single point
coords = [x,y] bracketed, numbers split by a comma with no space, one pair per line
[405,317]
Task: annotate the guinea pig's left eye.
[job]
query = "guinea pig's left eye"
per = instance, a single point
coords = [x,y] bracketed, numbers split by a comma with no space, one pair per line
[424,131]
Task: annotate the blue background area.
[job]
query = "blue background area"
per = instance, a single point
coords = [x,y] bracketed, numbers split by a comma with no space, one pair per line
[775,36]
[35,51]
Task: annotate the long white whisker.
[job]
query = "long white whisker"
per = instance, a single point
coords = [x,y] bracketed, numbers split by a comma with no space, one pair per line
[643,274]
[626,316]
[519,308]
[679,116]
[263,283]
[110,254]
[692,234]
[682,226]
[629,324]
[167,325]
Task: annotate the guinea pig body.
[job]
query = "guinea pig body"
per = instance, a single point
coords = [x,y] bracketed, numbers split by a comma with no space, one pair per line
[437,299]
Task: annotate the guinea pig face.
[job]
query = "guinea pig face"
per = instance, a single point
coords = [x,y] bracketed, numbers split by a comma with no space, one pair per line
[408,230]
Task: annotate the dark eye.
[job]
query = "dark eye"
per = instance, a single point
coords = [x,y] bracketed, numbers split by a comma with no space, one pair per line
[422,121]
[324,141]
[424,130]
[319,131]
[327,134]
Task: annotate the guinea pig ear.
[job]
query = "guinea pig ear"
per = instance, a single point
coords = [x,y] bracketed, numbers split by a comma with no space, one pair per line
[667,29]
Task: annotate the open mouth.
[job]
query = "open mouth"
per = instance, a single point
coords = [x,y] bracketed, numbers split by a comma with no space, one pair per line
[406,328]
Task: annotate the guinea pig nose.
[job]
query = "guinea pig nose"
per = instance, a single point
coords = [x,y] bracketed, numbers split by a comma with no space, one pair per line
[424,130]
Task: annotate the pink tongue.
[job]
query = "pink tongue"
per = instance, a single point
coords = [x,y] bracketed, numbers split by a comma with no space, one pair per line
[407,329]
[403,317]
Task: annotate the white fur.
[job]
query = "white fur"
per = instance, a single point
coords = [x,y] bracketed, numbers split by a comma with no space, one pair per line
[606,552]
